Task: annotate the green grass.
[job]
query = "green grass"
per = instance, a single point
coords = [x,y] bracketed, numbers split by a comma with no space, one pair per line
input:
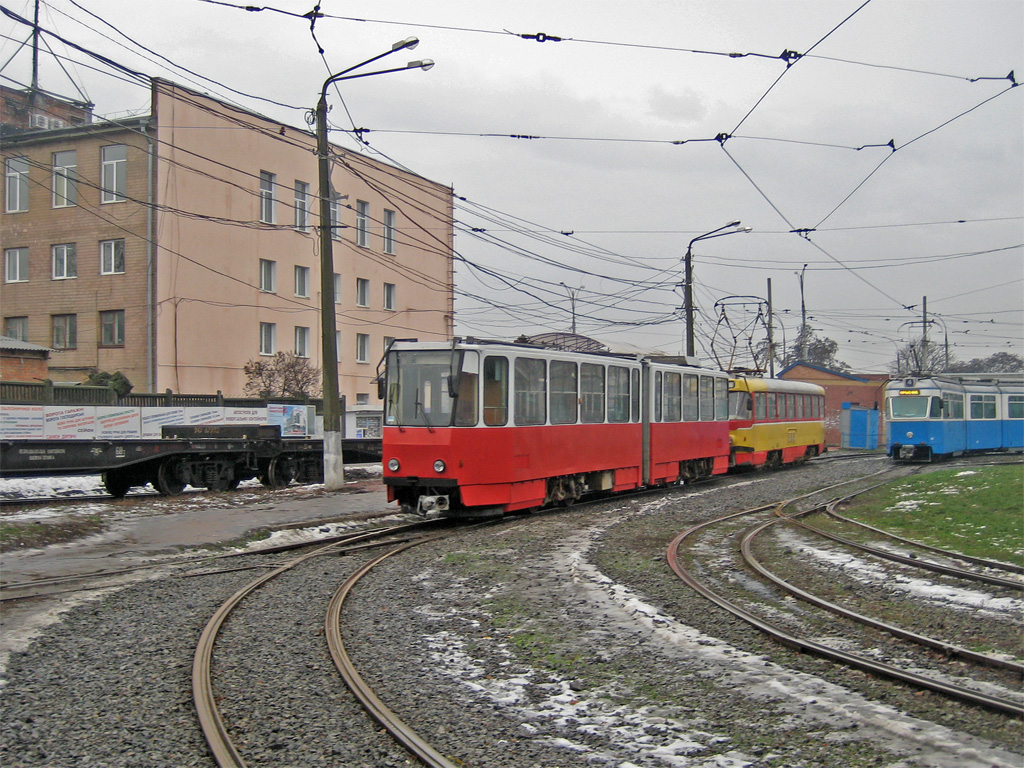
[976,511]
[41,534]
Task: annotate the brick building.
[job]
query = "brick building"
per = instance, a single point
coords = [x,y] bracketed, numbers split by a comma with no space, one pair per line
[177,246]
[865,389]
[21,361]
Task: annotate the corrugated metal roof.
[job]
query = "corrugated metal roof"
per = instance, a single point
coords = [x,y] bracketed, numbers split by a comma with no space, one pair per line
[6,342]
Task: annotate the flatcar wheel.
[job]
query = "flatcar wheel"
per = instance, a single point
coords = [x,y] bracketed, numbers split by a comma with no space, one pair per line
[280,471]
[167,481]
[116,483]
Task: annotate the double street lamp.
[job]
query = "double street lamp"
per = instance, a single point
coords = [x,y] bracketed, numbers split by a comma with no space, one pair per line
[334,467]
[688,284]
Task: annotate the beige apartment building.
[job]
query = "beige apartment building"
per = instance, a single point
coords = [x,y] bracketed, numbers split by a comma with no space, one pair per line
[178,246]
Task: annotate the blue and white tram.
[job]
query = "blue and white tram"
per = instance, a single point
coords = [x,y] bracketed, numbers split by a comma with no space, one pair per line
[952,414]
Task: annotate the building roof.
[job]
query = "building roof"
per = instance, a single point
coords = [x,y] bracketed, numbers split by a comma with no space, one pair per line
[17,345]
[822,369]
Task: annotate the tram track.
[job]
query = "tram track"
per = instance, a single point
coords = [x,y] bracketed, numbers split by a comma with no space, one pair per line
[217,730]
[799,639]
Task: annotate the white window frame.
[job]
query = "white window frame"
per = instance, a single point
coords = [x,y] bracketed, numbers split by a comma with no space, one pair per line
[362,348]
[302,282]
[336,225]
[112,328]
[389,296]
[268,338]
[16,189]
[390,231]
[64,255]
[268,276]
[65,179]
[68,325]
[301,341]
[268,181]
[109,257]
[301,206]
[362,223]
[362,292]
[337,288]
[114,173]
[16,265]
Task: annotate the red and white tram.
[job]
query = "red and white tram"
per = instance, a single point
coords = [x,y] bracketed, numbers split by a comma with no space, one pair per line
[483,428]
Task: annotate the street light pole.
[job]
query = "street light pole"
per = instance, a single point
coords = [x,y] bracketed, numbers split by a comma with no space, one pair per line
[688,284]
[334,464]
[572,304]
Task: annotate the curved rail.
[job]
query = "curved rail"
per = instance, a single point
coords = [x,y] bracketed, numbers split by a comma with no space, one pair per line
[398,729]
[948,649]
[803,644]
[210,720]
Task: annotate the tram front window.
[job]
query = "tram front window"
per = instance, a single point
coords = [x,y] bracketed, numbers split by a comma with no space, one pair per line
[909,407]
[418,391]
[739,405]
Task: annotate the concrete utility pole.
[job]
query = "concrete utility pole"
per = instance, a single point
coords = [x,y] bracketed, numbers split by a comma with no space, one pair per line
[771,336]
[802,354]
[334,462]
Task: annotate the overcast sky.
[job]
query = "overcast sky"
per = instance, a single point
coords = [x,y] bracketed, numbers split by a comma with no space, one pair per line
[606,197]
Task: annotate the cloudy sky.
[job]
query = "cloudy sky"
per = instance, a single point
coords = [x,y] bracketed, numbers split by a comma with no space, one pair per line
[880,144]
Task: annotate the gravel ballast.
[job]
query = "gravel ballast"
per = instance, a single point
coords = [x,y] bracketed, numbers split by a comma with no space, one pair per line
[551,640]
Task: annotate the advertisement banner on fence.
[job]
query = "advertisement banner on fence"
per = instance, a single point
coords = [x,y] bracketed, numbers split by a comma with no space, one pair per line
[118,422]
[72,422]
[23,422]
[293,419]
[204,414]
[155,418]
[245,415]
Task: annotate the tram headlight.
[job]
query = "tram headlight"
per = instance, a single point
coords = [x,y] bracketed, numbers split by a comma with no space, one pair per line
[394,465]
[910,435]
[439,466]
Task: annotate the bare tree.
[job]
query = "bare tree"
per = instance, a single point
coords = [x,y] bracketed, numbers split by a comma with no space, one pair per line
[914,357]
[285,374]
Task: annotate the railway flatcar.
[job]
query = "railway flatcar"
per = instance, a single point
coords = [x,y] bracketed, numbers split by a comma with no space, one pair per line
[475,428]
[774,422]
[935,417]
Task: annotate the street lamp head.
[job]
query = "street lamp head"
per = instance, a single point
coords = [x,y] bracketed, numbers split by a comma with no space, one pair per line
[425,64]
[409,42]
[746,229]
[733,224]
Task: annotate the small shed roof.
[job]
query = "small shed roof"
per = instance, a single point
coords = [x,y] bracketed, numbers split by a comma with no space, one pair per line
[17,345]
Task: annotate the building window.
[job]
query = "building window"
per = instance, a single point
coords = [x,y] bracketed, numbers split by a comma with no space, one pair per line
[301,341]
[362,347]
[301,206]
[112,257]
[268,338]
[268,276]
[16,328]
[337,288]
[362,292]
[337,345]
[112,328]
[65,331]
[388,341]
[362,398]
[302,282]
[114,173]
[65,173]
[389,296]
[362,223]
[336,225]
[389,231]
[16,265]
[65,261]
[16,198]
[267,181]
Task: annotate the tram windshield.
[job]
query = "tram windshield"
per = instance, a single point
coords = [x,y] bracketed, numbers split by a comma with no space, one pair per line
[911,407]
[419,391]
[739,405]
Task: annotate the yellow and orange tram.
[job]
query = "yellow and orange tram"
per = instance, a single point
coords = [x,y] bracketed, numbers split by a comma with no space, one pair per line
[773,422]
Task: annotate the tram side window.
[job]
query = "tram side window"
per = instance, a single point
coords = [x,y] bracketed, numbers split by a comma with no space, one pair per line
[564,392]
[1015,409]
[952,405]
[707,398]
[691,397]
[618,394]
[495,391]
[673,397]
[635,394]
[658,390]
[721,399]
[800,406]
[760,406]
[531,391]
[772,413]
[983,406]
[592,389]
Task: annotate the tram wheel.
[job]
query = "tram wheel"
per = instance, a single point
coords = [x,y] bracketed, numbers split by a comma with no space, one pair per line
[116,483]
[167,480]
